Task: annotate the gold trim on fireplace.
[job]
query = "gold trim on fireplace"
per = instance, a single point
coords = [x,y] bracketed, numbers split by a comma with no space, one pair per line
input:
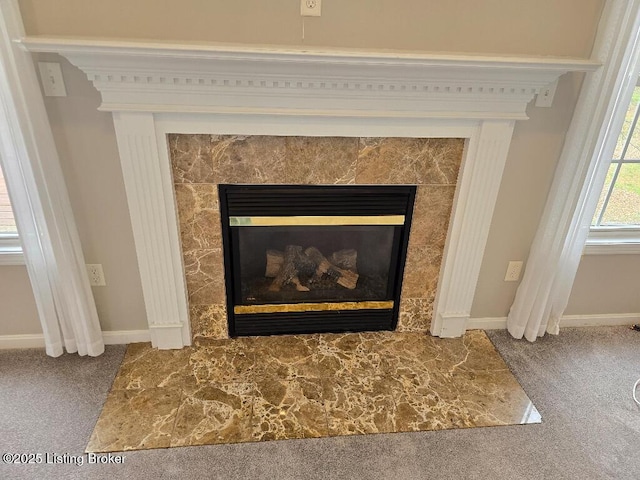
[311,307]
[316,220]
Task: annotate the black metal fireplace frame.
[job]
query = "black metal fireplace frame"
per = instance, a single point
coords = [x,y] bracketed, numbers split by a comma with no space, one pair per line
[295,200]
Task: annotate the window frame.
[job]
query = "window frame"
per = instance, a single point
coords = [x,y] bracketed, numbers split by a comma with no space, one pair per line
[613,241]
[10,248]
[617,239]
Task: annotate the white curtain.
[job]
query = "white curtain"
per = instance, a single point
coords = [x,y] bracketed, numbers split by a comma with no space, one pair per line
[557,247]
[48,234]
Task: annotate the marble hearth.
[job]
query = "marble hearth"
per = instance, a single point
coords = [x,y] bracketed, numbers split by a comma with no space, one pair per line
[201,162]
[307,386]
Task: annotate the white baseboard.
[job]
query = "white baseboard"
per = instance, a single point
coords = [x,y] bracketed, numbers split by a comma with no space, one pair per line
[113,337]
[22,341]
[610,320]
[166,337]
[122,337]
[487,323]
[597,320]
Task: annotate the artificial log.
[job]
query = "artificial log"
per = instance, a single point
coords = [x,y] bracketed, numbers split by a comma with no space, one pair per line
[321,262]
[275,259]
[288,274]
[345,278]
[286,268]
[346,259]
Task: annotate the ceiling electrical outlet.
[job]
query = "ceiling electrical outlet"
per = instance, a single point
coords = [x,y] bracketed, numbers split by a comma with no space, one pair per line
[513,272]
[96,275]
[310,8]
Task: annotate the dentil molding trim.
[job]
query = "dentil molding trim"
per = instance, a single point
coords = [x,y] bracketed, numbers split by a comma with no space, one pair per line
[205,78]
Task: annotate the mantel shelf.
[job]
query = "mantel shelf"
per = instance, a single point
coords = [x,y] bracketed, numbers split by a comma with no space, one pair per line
[214,78]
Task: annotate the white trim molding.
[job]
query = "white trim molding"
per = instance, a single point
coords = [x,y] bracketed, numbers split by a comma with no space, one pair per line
[596,320]
[11,258]
[613,241]
[10,250]
[600,320]
[36,340]
[156,89]
[476,196]
[154,77]
[149,190]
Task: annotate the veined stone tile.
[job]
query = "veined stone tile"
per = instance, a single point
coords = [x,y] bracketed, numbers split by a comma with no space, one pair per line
[495,398]
[445,160]
[191,158]
[220,361]
[421,271]
[208,322]
[136,420]
[416,161]
[430,402]
[404,354]
[199,216]
[473,352]
[415,314]
[285,356]
[431,213]
[360,404]
[145,367]
[347,354]
[248,159]
[204,273]
[215,413]
[321,160]
[284,409]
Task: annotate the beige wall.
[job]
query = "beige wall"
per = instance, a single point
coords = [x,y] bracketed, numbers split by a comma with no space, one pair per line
[606,284]
[18,314]
[540,27]
[87,146]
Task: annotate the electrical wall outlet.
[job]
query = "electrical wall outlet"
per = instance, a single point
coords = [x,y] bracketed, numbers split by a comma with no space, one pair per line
[52,81]
[546,94]
[96,275]
[310,8]
[513,272]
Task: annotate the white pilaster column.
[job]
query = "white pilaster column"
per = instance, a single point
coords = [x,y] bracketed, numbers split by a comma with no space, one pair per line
[155,229]
[476,196]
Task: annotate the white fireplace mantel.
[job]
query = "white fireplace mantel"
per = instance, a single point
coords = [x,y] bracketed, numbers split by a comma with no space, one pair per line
[153,89]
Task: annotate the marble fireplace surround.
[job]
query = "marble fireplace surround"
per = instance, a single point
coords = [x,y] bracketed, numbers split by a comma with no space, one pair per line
[154,90]
[201,162]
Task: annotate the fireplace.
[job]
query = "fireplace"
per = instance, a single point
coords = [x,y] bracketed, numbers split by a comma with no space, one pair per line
[307,259]
[156,90]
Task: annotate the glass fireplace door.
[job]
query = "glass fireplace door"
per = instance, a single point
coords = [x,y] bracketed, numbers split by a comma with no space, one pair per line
[308,262]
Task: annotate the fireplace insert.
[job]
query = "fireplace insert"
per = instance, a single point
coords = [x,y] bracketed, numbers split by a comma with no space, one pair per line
[312,259]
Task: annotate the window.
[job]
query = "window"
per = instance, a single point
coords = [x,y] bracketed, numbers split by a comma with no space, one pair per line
[7,222]
[10,250]
[617,217]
